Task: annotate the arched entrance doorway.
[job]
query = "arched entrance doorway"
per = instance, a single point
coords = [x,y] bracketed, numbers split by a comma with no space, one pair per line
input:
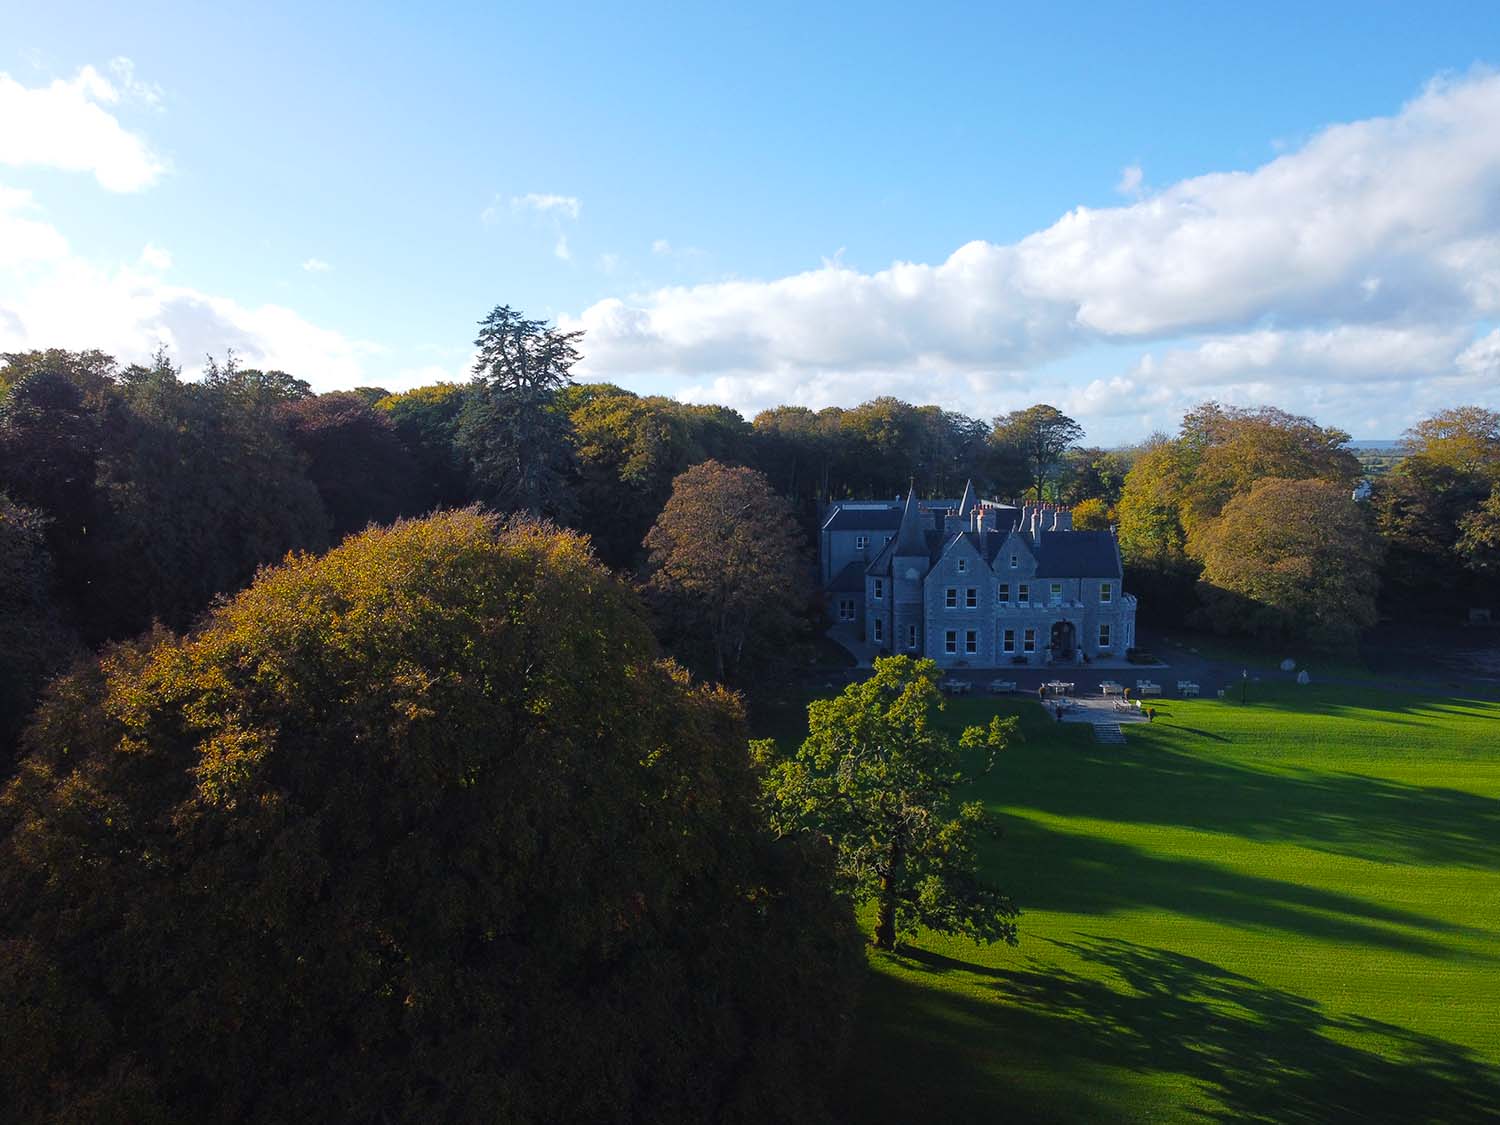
[1064,640]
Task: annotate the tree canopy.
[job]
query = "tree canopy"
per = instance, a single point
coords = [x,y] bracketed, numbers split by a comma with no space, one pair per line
[728,568]
[511,427]
[419,830]
[1038,436]
[1291,559]
[877,776]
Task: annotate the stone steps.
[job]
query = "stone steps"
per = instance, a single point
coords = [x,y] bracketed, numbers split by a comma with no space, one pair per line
[1109,733]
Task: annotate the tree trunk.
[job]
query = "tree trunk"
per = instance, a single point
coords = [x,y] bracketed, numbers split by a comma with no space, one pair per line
[885,911]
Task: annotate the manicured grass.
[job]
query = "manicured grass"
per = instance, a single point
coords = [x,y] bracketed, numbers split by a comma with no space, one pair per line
[1286,911]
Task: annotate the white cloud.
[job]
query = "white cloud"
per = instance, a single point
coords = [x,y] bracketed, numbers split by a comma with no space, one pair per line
[25,240]
[130,310]
[154,257]
[661,246]
[124,71]
[609,262]
[65,125]
[316,265]
[1130,180]
[561,250]
[1387,224]
[1376,378]
[562,205]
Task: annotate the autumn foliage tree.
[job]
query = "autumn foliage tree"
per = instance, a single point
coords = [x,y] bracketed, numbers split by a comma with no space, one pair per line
[1437,511]
[420,830]
[877,777]
[728,567]
[1178,487]
[1291,559]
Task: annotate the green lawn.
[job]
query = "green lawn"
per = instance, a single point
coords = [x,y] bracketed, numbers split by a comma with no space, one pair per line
[1283,912]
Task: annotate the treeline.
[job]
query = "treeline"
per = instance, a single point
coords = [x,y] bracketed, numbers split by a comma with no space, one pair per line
[130,496]
[1256,521]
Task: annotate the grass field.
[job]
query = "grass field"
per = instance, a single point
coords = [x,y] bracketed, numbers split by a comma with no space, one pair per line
[1286,911]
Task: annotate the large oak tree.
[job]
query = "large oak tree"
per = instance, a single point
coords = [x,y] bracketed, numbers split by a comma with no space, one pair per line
[420,830]
[1291,559]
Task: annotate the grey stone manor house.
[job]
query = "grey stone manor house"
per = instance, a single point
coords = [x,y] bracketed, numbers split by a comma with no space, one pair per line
[975,583]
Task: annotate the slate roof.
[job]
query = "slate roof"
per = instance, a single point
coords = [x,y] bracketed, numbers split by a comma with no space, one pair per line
[864,519]
[910,540]
[1077,554]
[850,579]
[934,543]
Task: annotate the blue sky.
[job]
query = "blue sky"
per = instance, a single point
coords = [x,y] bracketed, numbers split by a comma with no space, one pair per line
[721,198]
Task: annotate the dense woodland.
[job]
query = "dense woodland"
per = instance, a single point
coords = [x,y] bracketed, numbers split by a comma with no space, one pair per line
[244,769]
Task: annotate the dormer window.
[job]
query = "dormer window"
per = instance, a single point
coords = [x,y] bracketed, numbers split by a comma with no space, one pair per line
[963,565]
[861,542]
[1015,561]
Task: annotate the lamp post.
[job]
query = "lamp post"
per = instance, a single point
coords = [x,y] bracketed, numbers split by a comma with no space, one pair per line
[1244,682]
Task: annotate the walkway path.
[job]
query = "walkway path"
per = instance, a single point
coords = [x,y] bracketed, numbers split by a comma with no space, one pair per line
[1109,733]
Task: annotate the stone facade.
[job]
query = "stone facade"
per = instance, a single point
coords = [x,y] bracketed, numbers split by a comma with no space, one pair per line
[976,583]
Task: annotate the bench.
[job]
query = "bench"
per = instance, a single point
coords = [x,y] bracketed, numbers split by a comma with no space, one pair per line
[1147,687]
[1002,687]
[956,687]
[1109,687]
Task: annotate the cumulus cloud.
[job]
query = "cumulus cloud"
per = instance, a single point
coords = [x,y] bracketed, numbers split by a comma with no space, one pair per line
[65,125]
[1371,250]
[25,239]
[1130,180]
[1378,377]
[132,309]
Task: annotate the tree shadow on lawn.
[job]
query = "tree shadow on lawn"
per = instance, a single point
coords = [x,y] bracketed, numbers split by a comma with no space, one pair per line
[1372,704]
[1046,869]
[1261,1053]
[1148,782]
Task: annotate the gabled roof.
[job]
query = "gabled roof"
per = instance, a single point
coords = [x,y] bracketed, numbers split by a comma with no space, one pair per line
[998,541]
[1077,554]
